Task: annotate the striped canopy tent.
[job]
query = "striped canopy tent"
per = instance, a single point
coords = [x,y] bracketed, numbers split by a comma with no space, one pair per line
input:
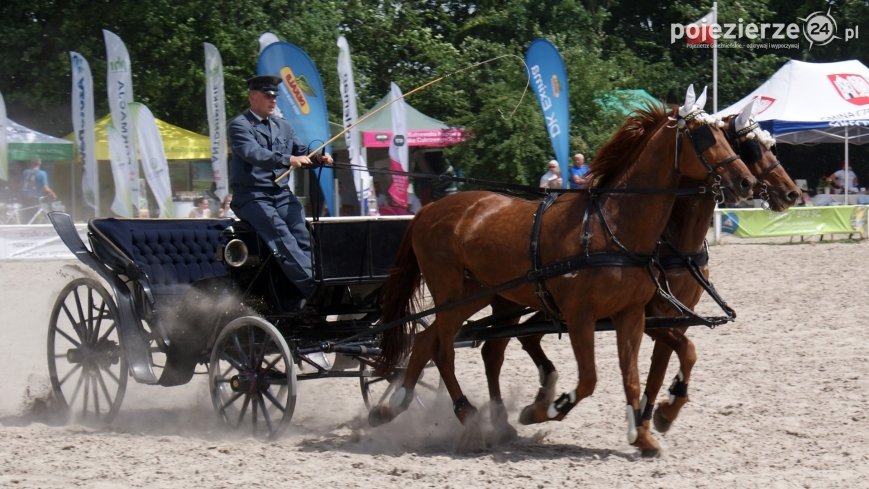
[26,144]
[178,143]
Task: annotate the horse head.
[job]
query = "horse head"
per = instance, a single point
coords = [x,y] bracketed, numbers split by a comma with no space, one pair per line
[709,154]
[756,147]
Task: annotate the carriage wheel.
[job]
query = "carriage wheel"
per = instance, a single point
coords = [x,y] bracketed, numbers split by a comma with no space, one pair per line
[252,377]
[377,389]
[87,368]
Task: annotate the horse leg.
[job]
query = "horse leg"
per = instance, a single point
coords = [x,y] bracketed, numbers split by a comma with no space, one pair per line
[548,377]
[581,333]
[630,325]
[493,358]
[657,371]
[668,410]
[399,401]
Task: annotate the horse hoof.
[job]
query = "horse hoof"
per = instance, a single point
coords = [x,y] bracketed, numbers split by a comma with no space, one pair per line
[471,439]
[379,415]
[650,452]
[527,417]
[662,424]
[501,433]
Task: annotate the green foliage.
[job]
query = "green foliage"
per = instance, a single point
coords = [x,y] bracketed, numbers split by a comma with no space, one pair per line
[476,46]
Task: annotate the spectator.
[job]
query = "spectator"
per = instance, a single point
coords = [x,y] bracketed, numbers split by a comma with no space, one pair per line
[579,177]
[200,209]
[841,180]
[552,178]
[225,210]
[34,184]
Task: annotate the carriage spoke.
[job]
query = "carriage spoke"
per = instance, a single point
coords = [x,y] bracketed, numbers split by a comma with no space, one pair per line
[266,417]
[86,390]
[77,387]
[94,383]
[72,321]
[274,401]
[105,388]
[98,322]
[233,363]
[229,401]
[243,410]
[238,347]
[68,374]
[108,331]
[68,338]
[254,406]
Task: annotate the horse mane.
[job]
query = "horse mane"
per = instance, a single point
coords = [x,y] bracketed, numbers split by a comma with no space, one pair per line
[630,139]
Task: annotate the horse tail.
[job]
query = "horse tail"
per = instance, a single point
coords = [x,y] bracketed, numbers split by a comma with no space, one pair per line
[397,299]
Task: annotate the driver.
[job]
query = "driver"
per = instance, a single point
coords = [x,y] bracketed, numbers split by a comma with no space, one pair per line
[264,146]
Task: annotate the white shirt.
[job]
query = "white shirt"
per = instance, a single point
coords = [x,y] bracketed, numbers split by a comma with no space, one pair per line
[841,182]
[550,180]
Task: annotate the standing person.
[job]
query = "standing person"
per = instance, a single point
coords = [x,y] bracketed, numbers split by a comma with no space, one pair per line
[579,177]
[552,177]
[34,185]
[264,147]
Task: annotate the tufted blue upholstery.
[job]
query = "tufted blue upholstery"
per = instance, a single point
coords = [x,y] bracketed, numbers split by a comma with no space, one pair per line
[173,253]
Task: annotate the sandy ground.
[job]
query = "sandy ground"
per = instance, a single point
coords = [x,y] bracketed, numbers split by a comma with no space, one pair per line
[778,399]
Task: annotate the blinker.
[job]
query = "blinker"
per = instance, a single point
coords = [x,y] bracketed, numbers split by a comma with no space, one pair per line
[702,139]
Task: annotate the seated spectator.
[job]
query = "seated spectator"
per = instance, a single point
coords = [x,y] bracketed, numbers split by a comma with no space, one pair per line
[200,209]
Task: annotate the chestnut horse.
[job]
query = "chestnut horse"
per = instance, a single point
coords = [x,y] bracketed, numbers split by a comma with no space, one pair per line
[469,245]
[684,248]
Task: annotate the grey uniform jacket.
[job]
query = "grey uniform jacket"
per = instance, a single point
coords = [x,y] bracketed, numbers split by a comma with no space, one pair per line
[260,154]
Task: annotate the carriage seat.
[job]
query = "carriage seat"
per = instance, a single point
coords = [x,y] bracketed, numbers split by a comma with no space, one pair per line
[165,255]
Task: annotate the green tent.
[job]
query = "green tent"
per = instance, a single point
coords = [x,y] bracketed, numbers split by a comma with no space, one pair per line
[625,101]
[27,144]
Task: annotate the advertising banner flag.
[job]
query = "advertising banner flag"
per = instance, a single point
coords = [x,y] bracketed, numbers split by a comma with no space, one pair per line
[119,84]
[348,101]
[83,128]
[216,109]
[548,79]
[122,205]
[302,102]
[398,147]
[4,153]
[154,163]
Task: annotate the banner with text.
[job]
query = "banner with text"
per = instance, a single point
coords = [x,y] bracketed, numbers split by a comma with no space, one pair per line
[796,221]
[83,128]
[548,79]
[216,110]
[361,179]
[302,102]
[119,84]
[153,156]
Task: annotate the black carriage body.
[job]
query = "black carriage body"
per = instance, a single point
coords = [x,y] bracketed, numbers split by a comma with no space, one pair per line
[156,267]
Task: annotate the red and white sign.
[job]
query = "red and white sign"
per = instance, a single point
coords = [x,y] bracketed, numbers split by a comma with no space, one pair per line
[852,87]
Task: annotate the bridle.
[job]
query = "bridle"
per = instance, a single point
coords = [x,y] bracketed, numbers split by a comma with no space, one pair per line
[745,142]
[702,139]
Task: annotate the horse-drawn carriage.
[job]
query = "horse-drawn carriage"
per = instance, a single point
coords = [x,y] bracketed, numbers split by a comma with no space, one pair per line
[206,292]
[192,292]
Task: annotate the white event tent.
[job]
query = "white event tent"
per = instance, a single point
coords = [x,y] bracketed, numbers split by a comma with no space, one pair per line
[808,103]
